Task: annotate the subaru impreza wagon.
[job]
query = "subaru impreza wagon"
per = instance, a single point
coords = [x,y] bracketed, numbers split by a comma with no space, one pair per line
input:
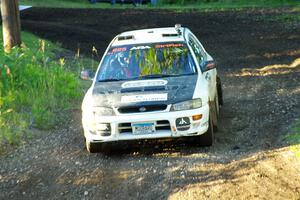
[151,84]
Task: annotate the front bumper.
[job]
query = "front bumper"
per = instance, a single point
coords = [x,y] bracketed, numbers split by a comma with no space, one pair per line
[170,130]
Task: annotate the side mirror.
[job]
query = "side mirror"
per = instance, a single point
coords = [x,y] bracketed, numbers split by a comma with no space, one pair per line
[208,65]
[87,74]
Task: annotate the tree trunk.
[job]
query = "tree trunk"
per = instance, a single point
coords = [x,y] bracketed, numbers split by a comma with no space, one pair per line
[11,24]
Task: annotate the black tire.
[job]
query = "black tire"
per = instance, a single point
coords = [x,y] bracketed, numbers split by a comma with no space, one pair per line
[207,138]
[216,113]
[220,91]
[217,105]
[92,147]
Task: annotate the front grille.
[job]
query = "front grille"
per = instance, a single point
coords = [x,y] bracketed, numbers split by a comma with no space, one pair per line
[125,127]
[160,125]
[163,125]
[141,109]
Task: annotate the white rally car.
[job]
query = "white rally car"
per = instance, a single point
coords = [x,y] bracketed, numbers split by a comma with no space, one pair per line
[150,84]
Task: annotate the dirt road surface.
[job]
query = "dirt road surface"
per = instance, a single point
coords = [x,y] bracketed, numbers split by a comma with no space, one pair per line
[259,63]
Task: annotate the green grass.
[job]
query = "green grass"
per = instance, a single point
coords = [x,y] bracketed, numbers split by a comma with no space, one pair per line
[291,17]
[288,18]
[170,4]
[37,88]
[294,138]
[59,3]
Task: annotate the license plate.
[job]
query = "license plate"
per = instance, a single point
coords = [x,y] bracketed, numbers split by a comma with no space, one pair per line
[143,128]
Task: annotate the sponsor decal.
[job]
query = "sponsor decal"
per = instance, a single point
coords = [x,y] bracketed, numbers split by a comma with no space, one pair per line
[168,45]
[144,98]
[144,83]
[119,49]
[183,123]
[140,47]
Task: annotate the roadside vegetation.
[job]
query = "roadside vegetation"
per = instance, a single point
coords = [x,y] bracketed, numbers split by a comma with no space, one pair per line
[289,17]
[168,4]
[37,88]
[294,138]
[293,16]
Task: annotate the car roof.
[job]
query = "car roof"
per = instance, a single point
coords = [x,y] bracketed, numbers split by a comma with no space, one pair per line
[153,35]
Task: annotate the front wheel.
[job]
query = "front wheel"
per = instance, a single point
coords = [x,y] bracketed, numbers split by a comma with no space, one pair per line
[215,112]
[220,91]
[92,147]
[207,138]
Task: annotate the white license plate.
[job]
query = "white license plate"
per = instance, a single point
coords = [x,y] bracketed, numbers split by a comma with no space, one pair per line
[143,128]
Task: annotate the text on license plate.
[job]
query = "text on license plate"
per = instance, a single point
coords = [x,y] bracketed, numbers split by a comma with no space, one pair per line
[143,128]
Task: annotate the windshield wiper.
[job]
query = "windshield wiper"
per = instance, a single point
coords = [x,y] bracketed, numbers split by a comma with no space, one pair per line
[163,75]
[153,76]
[110,80]
[149,76]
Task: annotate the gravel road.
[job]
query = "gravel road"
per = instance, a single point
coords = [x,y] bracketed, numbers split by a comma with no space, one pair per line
[259,63]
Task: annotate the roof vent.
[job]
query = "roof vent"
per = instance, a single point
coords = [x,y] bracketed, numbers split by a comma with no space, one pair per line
[170,35]
[127,37]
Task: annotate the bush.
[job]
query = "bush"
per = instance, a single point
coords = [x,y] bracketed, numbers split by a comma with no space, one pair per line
[294,138]
[34,90]
[226,2]
[183,2]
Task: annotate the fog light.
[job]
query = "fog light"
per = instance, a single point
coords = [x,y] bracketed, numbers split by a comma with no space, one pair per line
[197,117]
[104,129]
[105,133]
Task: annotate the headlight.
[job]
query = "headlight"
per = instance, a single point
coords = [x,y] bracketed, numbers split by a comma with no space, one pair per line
[103,111]
[91,126]
[187,105]
[88,120]
[90,114]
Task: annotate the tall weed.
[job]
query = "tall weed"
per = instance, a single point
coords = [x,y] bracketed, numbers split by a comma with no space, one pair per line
[35,89]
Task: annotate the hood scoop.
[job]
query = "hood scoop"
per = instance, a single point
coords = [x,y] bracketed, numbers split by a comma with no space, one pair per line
[128,90]
[141,89]
[155,88]
[144,89]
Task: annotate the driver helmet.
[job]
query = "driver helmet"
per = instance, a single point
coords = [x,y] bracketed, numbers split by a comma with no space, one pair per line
[123,60]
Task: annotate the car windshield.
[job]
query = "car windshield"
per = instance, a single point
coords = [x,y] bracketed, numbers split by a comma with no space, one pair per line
[141,61]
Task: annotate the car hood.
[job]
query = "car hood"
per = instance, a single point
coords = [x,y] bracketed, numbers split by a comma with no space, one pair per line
[144,92]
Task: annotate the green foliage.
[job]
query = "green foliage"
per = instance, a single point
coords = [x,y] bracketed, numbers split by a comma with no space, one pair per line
[35,89]
[169,4]
[58,3]
[233,3]
[289,17]
[169,62]
[294,138]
